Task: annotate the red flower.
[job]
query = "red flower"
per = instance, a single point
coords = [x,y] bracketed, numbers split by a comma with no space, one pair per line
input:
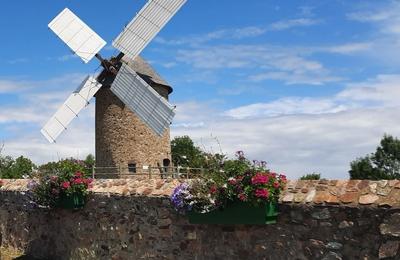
[66,185]
[273,174]
[78,174]
[213,189]
[242,197]
[262,193]
[276,185]
[259,178]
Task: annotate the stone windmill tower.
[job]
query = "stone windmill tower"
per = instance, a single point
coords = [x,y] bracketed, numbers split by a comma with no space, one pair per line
[132,109]
[122,138]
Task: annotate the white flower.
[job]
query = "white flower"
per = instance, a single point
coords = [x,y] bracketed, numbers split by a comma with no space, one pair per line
[225,186]
[231,179]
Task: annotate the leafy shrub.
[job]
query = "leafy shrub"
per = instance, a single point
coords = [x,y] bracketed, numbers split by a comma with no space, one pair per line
[311,176]
[240,181]
[50,189]
[65,166]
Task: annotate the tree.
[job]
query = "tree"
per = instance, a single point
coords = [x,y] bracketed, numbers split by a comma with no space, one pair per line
[383,164]
[90,161]
[311,176]
[15,169]
[67,165]
[186,154]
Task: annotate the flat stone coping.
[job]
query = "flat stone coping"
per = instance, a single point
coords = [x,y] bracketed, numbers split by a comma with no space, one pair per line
[351,193]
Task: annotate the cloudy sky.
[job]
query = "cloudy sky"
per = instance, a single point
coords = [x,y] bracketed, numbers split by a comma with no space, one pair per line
[307,86]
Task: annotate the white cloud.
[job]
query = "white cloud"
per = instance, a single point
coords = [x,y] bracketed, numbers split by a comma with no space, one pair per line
[18,60]
[301,135]
[287,24]
[286,106]
[349,48]
[238,33]
[299,144]
[384,89]
[274,62]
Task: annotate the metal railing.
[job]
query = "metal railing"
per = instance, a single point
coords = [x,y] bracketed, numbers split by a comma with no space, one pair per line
[150,172]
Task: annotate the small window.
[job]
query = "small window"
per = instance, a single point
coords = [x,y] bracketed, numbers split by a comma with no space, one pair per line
[132,167]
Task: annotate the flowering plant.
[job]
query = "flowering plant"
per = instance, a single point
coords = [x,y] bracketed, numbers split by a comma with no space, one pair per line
[240,180]
[256,187]
[197,195]
[51,189]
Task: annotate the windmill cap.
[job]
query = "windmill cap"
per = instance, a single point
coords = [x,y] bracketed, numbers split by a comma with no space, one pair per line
[147,72]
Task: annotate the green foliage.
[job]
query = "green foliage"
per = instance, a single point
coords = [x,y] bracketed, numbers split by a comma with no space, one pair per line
[238,166]
[50,190]
[383,164]
[65,166]
[311,176]
[15,169]
[186,154]
[89,161]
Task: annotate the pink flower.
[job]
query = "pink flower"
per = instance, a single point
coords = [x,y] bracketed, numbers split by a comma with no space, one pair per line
[53,178]
[276,185]
[66,185]
[232,181]
[78,174]
[262,193]
[78,181]
[87,181]
[259,178]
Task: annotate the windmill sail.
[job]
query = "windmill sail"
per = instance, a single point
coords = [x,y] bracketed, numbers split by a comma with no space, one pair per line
[142,99]
[83,41]
[70,109]
[145,26]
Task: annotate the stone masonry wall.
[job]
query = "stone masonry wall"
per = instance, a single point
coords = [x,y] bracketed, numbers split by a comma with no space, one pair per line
[133,219]
[122,137]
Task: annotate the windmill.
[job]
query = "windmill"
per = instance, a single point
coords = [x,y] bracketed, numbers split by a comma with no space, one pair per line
[132,109]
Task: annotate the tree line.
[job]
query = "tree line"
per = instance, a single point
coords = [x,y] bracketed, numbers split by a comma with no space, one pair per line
[384,163]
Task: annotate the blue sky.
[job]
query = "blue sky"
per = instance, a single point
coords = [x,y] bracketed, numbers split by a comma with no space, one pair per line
[307,86]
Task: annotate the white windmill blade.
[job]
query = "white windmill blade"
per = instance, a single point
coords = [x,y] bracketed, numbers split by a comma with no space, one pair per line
[145,26]
[142,99]
[83,41]
[70,109]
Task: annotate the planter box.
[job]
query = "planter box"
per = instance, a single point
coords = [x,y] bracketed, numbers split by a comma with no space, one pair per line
[74,201]
[237,213]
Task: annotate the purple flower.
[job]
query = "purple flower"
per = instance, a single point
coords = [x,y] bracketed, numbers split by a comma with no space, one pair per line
[180,197]
[32,184]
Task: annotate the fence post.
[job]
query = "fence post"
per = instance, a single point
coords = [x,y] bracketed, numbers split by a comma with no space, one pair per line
[93,172]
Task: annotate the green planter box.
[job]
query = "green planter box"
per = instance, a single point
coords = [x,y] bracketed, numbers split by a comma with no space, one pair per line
[237,213]
[74,201]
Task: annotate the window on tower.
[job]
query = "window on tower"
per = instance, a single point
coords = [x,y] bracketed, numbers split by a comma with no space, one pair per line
[132,167]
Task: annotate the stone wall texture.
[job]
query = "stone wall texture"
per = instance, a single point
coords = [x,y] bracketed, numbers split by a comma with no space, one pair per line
[123,138]
[133,219]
